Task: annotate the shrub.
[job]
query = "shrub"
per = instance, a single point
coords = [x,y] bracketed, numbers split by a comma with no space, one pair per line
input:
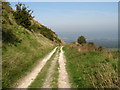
[81,40]
[23,16]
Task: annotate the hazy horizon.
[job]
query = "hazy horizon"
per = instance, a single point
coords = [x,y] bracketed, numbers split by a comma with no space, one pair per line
[94,20]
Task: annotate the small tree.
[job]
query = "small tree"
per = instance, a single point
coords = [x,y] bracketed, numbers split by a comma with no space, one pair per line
[81,40]
[23,16]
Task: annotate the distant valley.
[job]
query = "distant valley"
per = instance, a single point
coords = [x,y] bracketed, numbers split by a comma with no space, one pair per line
[107,43]
[113,43]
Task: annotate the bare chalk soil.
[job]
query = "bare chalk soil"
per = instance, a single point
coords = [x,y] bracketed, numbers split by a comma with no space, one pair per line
[49,78]
[63,81]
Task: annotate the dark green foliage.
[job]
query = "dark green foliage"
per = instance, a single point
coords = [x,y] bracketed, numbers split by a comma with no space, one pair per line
[81,40]
[48,33]
[23,16]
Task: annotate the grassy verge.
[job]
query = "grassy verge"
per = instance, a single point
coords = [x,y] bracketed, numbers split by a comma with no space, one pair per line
[54,83]
[19,65]
[91,69]
[38,82]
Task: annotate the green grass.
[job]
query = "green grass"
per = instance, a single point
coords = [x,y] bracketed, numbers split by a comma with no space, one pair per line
[91,69]
[17,61]
[54,83]
[38,82]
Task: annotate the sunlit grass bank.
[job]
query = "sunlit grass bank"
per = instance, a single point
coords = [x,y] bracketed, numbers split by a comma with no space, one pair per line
[20,59]
[91,69]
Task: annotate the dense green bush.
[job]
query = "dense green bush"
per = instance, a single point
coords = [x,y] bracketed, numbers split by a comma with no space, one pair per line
[23,16]
[81,40]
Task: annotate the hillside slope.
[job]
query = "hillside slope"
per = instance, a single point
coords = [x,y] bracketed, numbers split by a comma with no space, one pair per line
[22,48]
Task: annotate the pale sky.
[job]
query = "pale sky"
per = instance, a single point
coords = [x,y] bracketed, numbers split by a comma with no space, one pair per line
[72,19]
